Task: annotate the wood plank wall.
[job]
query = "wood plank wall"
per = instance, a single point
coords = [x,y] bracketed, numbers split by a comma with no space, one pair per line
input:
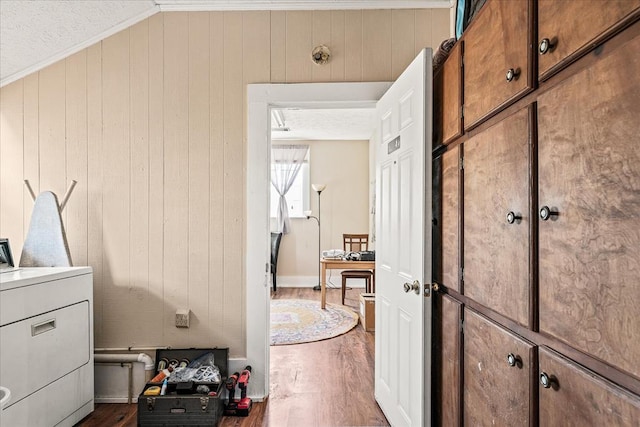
[151,122]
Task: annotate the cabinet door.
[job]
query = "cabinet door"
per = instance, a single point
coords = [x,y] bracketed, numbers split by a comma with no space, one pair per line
[447,345]
[569,395]
[498,375]
[566,29]
[450,221]
[497,218]
[496,44]
[589,194]
[447,102]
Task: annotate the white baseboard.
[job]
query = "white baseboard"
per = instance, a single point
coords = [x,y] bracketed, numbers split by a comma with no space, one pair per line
[333,281]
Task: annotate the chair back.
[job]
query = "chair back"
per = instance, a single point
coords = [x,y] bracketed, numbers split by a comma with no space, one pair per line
[355,242]
[275,248]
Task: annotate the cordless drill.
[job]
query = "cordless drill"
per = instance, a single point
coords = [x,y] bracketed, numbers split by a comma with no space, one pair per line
[238,407]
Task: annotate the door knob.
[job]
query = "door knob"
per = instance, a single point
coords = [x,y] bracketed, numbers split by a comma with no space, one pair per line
[415,286]
[546,213]
[512,74]
[513,360]
[513,217]
[546,45]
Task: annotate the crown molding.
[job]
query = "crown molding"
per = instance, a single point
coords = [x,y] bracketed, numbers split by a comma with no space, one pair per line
[221,5]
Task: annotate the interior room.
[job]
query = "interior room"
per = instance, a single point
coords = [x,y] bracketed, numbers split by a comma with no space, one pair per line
[486,149]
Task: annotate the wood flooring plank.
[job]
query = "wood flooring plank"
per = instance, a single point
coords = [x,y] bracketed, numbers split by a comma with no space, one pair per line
[309,381]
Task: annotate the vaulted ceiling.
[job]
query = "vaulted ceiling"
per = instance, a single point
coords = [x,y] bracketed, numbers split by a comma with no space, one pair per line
[36,33]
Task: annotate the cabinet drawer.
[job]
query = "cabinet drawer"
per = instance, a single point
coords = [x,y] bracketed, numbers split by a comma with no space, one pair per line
[498,374]
[570,28]
[41,349]
[574,396]
[497,217]
[589,175]
[496,42]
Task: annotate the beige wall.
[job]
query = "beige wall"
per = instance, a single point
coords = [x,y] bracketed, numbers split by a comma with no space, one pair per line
[344,167]
[151,123]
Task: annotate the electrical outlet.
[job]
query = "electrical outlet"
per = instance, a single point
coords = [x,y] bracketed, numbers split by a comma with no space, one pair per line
[182,318]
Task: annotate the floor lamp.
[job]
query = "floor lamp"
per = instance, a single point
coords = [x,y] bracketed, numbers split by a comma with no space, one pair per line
[317,188]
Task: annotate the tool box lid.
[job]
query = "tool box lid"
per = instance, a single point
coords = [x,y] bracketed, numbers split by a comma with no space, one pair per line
[221,357]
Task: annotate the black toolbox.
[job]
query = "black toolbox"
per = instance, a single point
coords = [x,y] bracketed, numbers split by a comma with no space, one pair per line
[183,405]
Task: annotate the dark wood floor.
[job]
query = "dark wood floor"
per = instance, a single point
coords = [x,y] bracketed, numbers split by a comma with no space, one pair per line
[326,383]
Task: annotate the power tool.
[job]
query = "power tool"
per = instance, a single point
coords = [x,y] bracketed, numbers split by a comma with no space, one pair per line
[238,407]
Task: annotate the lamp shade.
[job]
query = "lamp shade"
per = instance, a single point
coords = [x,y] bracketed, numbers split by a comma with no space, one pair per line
[318,187]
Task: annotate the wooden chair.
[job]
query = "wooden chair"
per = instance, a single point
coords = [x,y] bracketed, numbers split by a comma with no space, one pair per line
[356,243]
[275,249]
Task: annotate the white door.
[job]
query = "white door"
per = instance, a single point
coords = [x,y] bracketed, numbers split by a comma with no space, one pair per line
[403,247]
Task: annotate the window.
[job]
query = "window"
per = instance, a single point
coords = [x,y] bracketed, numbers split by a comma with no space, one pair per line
[297,196]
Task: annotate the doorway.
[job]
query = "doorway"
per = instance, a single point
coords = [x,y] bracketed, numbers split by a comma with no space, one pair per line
[261,99]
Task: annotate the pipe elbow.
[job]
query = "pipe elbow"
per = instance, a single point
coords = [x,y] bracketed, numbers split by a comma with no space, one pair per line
[149,365]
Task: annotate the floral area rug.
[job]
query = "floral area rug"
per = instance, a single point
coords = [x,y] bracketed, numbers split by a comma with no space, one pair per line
[295,321]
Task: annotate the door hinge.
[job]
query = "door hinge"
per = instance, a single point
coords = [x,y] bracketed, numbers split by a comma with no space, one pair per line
[462,163]
[462,326]
[462,274]
[267,267]
[462,111]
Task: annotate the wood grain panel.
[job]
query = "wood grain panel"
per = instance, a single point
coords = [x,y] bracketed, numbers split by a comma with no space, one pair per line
[496,393]
[76,156]
[496,182]
[447,348]
[199,196]
[402,39]
[94,186]
[154,304]
[487,59]
[139,151]
[353,45]
[278,46]
[574,27]
[11,169]
[581,398]
[321,35]
[447,98]
[52,129]
[299,45]
[176,173]
[31,151]
[217,174]
[338,50]
[233,201]
[376,51]
[450,222]
[589,172]
[116,190]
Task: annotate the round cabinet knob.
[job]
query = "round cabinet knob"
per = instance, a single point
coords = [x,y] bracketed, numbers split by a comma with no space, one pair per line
[546,213]
[513,217]
[512,74]
[545,46]
[512,359]
[435,286]
[545,381]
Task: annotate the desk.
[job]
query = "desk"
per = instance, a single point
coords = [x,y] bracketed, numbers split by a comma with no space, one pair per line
[340,264]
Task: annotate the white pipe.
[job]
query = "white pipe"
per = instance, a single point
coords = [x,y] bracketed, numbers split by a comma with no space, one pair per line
[114,349]
[149,365]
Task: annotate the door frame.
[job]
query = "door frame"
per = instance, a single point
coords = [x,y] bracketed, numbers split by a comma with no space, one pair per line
[261,98]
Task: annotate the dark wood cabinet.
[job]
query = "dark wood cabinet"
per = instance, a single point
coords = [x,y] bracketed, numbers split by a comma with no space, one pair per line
[447,348]
[499,369]
[570,395]
[567,29]
[539,220]
[448,97]
[497,218]
[496,58]
[589,179]
[450,221]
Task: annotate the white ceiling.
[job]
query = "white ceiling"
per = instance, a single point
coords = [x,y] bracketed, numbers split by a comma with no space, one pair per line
[324,124]
[37,33]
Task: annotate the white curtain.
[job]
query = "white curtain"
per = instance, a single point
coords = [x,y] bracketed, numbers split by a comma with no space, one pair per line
[288,160]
